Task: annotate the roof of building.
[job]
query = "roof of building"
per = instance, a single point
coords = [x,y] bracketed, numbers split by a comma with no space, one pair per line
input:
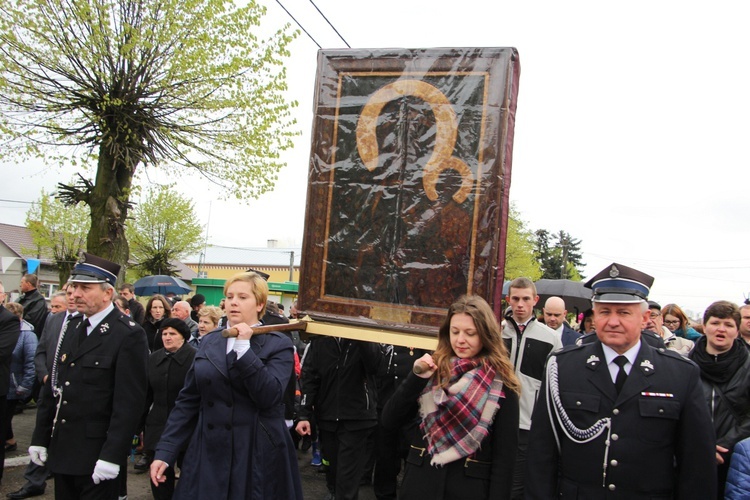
[18,239]
[233,256]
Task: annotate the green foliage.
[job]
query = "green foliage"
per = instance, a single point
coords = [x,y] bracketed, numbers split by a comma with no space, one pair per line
[557,252]
[520,258]
[163,229]
[180,84]
[58,232]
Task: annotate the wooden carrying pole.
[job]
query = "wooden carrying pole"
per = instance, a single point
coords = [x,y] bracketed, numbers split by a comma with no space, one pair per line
[311,327]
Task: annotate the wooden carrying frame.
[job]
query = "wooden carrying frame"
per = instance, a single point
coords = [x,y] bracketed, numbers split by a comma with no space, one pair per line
[407,198]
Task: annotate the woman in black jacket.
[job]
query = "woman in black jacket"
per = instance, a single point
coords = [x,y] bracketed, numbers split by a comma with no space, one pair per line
[725,373]
[463,408]
[167,369]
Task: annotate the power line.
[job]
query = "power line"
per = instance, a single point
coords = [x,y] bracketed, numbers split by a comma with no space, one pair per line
[298,24]
[16,201]
[331,25]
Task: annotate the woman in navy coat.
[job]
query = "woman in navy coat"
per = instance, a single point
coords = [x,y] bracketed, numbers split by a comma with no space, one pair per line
[230,414]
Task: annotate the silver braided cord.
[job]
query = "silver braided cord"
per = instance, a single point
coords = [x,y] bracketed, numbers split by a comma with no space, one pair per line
[53,376]
[566,424]
[573,432]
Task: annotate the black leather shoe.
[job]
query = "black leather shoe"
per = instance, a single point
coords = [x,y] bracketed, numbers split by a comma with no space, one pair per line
[26,492]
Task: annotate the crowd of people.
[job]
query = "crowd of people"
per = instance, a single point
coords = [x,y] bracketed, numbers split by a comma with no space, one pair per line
[628,399]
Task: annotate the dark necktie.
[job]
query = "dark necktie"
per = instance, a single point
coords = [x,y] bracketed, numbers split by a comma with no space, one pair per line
[84,331]
[622,374]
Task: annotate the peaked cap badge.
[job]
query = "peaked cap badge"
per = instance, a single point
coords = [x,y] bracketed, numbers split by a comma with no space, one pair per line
[613,271]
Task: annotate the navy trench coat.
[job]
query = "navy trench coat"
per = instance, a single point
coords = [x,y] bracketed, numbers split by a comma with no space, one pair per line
[230,414]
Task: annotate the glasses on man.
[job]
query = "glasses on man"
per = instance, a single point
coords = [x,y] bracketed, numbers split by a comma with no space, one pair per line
[655,315]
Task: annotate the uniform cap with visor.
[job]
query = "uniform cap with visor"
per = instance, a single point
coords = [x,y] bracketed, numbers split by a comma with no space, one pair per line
[93,269]
[618,284]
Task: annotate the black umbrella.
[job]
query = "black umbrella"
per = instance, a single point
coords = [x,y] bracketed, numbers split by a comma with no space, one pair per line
[575,295]
[160,283]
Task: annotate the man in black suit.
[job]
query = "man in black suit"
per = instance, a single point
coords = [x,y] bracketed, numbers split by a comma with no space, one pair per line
[36,475]
[96,390]
[616,417]
[137,312]
[35,309]
[10,330]
[554,317]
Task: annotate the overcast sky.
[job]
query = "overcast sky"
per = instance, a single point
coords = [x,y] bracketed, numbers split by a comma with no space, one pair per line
[631,129]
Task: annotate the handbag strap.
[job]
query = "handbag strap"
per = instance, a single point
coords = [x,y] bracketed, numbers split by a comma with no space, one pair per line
[726,402]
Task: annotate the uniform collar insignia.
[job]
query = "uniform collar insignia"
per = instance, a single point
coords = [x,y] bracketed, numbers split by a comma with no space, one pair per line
[104,327]
[132,323]
[593,359]
[646,365]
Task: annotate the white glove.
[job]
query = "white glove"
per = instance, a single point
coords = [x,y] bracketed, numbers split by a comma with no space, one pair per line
[104,471]
[38,454]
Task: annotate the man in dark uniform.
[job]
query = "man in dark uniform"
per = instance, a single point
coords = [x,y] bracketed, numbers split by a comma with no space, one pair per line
[96,390]
[616,417]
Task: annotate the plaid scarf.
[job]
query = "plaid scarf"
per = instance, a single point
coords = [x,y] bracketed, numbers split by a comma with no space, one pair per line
[456,420]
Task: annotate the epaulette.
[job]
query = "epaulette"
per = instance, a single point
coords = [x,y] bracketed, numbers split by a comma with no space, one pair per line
[672,354]
[568,348]
[127,320]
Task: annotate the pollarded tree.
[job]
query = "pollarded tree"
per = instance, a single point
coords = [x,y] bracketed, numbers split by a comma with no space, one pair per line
[183,85]
[163,229]
[58,231]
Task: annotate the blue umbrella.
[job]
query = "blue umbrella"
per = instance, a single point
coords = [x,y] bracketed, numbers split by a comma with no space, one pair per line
[162,284]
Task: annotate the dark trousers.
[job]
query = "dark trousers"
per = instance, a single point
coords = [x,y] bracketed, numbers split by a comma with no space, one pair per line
[69,487]
[343,448]
[36,476]
[519,470]
[3,426]
[10,409]
[388,449]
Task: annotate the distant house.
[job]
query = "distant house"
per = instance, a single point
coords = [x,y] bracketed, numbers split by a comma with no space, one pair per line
[16,255]
[222,262]
[218,263]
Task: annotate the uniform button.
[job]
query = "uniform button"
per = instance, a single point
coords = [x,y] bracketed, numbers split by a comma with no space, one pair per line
[62,421]
[612,487]
[65,402]
[614,463]
[67,384]
[72,364]
[615,437]
[661,410]
[578,403]
[615,412]
[96,362]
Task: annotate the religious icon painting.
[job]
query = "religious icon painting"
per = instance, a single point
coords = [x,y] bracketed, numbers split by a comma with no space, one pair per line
[407,199]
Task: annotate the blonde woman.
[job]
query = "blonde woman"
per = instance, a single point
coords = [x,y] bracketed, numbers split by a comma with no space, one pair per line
[229,416]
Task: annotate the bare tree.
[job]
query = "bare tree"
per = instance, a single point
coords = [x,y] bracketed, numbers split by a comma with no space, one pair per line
[182,85]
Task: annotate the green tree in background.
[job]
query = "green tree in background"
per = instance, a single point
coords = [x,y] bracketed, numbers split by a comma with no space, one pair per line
[163,230]
[559,255]
[58,231]
[520,257]
[182,85]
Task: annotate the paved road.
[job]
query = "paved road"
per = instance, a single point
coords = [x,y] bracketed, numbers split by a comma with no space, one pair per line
[313,483]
